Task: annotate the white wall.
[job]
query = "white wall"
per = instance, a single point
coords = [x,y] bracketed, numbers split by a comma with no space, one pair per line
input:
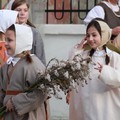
[58,40]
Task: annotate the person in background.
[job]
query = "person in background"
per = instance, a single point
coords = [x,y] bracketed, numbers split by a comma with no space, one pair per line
[5,22]
[3,55]
[18,74]
[109,11]
[100,98]
[22,7]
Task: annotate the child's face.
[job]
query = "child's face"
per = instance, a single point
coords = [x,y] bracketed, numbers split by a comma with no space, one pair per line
[10,42]
[93,37]
[23,13]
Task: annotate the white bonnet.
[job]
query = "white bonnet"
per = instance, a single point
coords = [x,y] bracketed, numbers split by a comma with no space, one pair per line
[24,38]
[7,18]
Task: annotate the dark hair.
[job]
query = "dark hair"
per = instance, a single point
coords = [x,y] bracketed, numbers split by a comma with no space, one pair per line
[25,53]
[16,4]
[95,24]
[12,27]
[107,58]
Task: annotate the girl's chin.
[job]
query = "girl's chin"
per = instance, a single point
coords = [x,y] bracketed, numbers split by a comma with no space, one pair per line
[93,46]
[10,54]
[22,21]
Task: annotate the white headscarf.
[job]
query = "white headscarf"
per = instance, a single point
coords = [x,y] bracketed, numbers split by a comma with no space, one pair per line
[7,18]
[24,38]
[9,5]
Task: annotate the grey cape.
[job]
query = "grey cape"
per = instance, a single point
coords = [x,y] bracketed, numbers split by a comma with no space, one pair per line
[28,106]
[38,45]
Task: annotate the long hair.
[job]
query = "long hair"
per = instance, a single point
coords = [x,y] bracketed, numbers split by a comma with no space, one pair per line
[17,3]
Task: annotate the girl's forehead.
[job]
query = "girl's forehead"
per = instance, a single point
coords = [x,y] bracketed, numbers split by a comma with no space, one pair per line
[24,5]
[92,28]
[9,33]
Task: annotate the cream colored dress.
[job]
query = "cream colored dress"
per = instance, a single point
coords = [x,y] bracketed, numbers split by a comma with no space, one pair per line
[100,99]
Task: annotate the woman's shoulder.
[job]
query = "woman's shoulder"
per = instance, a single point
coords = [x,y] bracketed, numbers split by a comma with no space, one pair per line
[36,34]
[35,29]
[104,5]
[35,64]
[36,59]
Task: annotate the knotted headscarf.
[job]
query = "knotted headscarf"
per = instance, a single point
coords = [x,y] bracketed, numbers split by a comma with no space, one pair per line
[7,18]
[105,33]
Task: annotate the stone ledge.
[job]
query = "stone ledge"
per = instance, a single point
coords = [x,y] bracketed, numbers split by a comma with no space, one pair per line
[64,29]
[59,118]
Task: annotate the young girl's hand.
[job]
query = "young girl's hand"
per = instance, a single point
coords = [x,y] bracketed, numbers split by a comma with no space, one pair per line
[99,67]
[82,43]
[68,98]
[9,105]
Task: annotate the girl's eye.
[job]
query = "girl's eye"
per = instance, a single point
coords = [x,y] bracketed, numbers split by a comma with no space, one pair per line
[94,35]
[87,36]
[18,10]
[8,40]
[26,10]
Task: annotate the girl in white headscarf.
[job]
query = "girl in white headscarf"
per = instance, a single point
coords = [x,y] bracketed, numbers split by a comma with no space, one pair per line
[22,6]
[18,74]
[100,99]
[7,18]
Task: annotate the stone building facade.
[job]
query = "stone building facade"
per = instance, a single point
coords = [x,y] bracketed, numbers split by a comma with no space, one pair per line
[38,14]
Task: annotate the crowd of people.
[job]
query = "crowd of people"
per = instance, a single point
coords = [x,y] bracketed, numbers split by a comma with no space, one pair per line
[22,56]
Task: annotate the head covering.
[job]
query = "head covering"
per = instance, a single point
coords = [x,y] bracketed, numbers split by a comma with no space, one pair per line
[9,4]
[7,18]
[24,38]
[105,32]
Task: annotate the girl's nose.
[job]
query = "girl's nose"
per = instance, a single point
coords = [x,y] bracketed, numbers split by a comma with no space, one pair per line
[91,37]
[6,43]
[21,13]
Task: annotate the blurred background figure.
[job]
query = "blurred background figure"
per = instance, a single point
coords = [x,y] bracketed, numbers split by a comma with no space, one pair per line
[5,22]
[22,7]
